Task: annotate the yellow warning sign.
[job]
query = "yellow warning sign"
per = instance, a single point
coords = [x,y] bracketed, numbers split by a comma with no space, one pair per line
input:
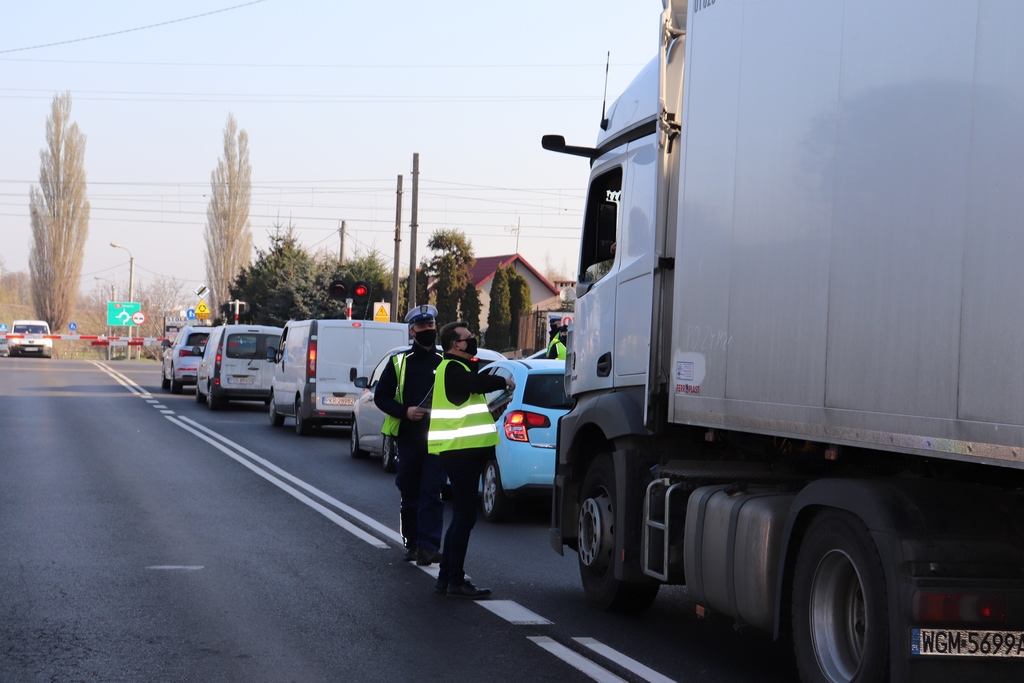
[382,312]
[202,310]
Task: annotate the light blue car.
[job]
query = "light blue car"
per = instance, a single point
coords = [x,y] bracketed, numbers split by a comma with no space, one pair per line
[527,420]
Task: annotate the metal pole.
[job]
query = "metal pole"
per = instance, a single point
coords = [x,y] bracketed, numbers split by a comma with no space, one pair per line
[131,297]
[398,253]
[341,247]
[412,228]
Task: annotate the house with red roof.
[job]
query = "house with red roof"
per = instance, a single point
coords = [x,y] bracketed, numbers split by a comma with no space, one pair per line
[482,275]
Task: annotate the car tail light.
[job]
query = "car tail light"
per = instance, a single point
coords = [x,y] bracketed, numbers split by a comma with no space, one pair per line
[311,360]
[518,423]
[216,367]
[934,607]
[182,353]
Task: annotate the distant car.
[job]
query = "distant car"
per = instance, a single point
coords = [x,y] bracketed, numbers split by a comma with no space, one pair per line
[368,419]
[180,360]
[33,342]
[527,420]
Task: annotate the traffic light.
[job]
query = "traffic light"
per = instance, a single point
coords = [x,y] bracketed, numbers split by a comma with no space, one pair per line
[360,292]
[337,290]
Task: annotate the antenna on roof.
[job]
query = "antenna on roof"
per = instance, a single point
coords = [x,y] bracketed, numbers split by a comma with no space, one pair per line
[604,101]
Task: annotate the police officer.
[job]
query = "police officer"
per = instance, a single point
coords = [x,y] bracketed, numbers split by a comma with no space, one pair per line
[556,349]
[403,393]
[463,436]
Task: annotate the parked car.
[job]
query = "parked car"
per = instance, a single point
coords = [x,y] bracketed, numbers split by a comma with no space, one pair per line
[180,361]
[527,419]
[368,419]
[33,343]
[234,366]
[316,363]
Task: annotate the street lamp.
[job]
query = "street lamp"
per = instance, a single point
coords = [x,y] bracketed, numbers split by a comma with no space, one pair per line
[131,280]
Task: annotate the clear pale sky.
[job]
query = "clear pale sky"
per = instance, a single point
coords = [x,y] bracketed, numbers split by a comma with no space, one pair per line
[336,97]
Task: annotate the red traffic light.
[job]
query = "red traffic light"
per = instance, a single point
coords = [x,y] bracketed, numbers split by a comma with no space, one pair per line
[336,290]
[360,290]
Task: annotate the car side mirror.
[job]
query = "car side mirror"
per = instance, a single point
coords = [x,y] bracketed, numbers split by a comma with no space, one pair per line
[361,382]
[271,354]
[197,350]
[165,343]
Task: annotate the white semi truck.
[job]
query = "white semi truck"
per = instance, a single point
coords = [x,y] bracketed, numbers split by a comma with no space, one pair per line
[797,354]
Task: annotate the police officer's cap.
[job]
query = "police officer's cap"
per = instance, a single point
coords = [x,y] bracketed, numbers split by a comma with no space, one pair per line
[424,313]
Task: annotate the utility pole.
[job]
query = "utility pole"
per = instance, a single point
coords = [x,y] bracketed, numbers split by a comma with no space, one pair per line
[341,248]
[412,228]
[398,251]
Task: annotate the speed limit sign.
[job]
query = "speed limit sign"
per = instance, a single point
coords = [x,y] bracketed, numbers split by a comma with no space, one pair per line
[138,317]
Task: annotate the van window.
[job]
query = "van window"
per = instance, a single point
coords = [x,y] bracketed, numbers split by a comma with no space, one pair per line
[31,329]
[250,345]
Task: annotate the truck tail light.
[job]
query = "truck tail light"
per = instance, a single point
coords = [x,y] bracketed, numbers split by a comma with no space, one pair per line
[518,423]
[311,360]
[936,607]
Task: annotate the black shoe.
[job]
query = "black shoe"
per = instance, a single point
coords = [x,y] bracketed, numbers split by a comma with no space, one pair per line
[468,590]
[410,555]
[427,557]
[441,586]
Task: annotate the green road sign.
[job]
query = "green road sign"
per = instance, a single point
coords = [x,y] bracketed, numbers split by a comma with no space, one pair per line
[119,313]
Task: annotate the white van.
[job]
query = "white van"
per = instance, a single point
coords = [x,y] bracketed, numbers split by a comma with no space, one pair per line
[33,343]
[316,364]
[234,365]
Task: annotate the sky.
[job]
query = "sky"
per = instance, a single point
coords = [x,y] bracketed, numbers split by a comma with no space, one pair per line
[336,97]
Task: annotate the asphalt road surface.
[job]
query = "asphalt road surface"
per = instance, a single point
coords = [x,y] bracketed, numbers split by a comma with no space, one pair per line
[146,538]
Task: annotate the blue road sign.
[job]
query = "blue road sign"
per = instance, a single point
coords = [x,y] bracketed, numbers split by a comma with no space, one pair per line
[72,326]
[191,314]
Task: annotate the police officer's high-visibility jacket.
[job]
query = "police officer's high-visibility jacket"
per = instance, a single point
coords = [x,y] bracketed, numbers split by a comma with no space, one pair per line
[556,349]
[453,427]
[391,423]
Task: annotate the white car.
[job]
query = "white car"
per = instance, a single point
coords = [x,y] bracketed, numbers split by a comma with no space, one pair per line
[33,342]
[234,365]
[180,360]
[368,419]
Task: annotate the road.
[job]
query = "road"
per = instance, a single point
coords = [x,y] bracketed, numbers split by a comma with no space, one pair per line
[146,538]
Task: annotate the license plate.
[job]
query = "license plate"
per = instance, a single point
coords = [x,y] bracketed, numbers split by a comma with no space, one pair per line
[239,380]
[338,401]
[934,642]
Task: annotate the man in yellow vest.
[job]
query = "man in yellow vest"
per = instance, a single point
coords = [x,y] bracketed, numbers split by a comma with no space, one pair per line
[556,349]
[463,435]
[403,394]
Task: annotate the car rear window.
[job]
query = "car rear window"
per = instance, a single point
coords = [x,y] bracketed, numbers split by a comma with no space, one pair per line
[197,339]
[546,391]
[250,345]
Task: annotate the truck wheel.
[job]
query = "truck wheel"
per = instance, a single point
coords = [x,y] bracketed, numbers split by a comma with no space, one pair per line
[302,427]
[596,545]
[276,418]
[354,450]
[497,507]
[388,452]
[840,618]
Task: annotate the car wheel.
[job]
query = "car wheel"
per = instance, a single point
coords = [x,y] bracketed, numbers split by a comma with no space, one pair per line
[389,451]
[353,443]
[214,402]
[200,396]
[165,383]
[840,618]
[596,545]
[276,418]
[302,427]
[175,385]
[497,506]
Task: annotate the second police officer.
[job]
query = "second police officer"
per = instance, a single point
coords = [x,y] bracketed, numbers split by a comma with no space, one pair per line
[403,393]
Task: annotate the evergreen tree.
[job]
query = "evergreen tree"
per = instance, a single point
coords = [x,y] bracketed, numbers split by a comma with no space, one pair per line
[282,283]
[498,315]
[519,303]
[471,308]
[450,266]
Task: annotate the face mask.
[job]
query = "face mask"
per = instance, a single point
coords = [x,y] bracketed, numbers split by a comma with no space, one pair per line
[471,346]
[426,338]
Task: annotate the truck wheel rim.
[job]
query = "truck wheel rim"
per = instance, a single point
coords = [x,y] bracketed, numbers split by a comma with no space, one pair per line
[838,617]
[595,531]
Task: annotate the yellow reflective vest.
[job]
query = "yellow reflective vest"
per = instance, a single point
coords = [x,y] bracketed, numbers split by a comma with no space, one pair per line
[453,427]
[391,423]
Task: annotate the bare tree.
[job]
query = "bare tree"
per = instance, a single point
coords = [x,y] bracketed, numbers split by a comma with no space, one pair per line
[59,213]
[228,234]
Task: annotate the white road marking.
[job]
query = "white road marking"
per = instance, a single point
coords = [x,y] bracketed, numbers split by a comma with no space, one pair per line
[167,412]
[577,661]
[628,663]
[513,612]
[177,567]
[329,514]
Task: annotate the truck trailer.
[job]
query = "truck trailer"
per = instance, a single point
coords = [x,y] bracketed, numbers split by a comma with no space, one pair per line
[796,351]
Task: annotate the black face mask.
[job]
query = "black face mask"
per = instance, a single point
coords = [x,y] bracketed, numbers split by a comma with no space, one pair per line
[471,346]
[426,338]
